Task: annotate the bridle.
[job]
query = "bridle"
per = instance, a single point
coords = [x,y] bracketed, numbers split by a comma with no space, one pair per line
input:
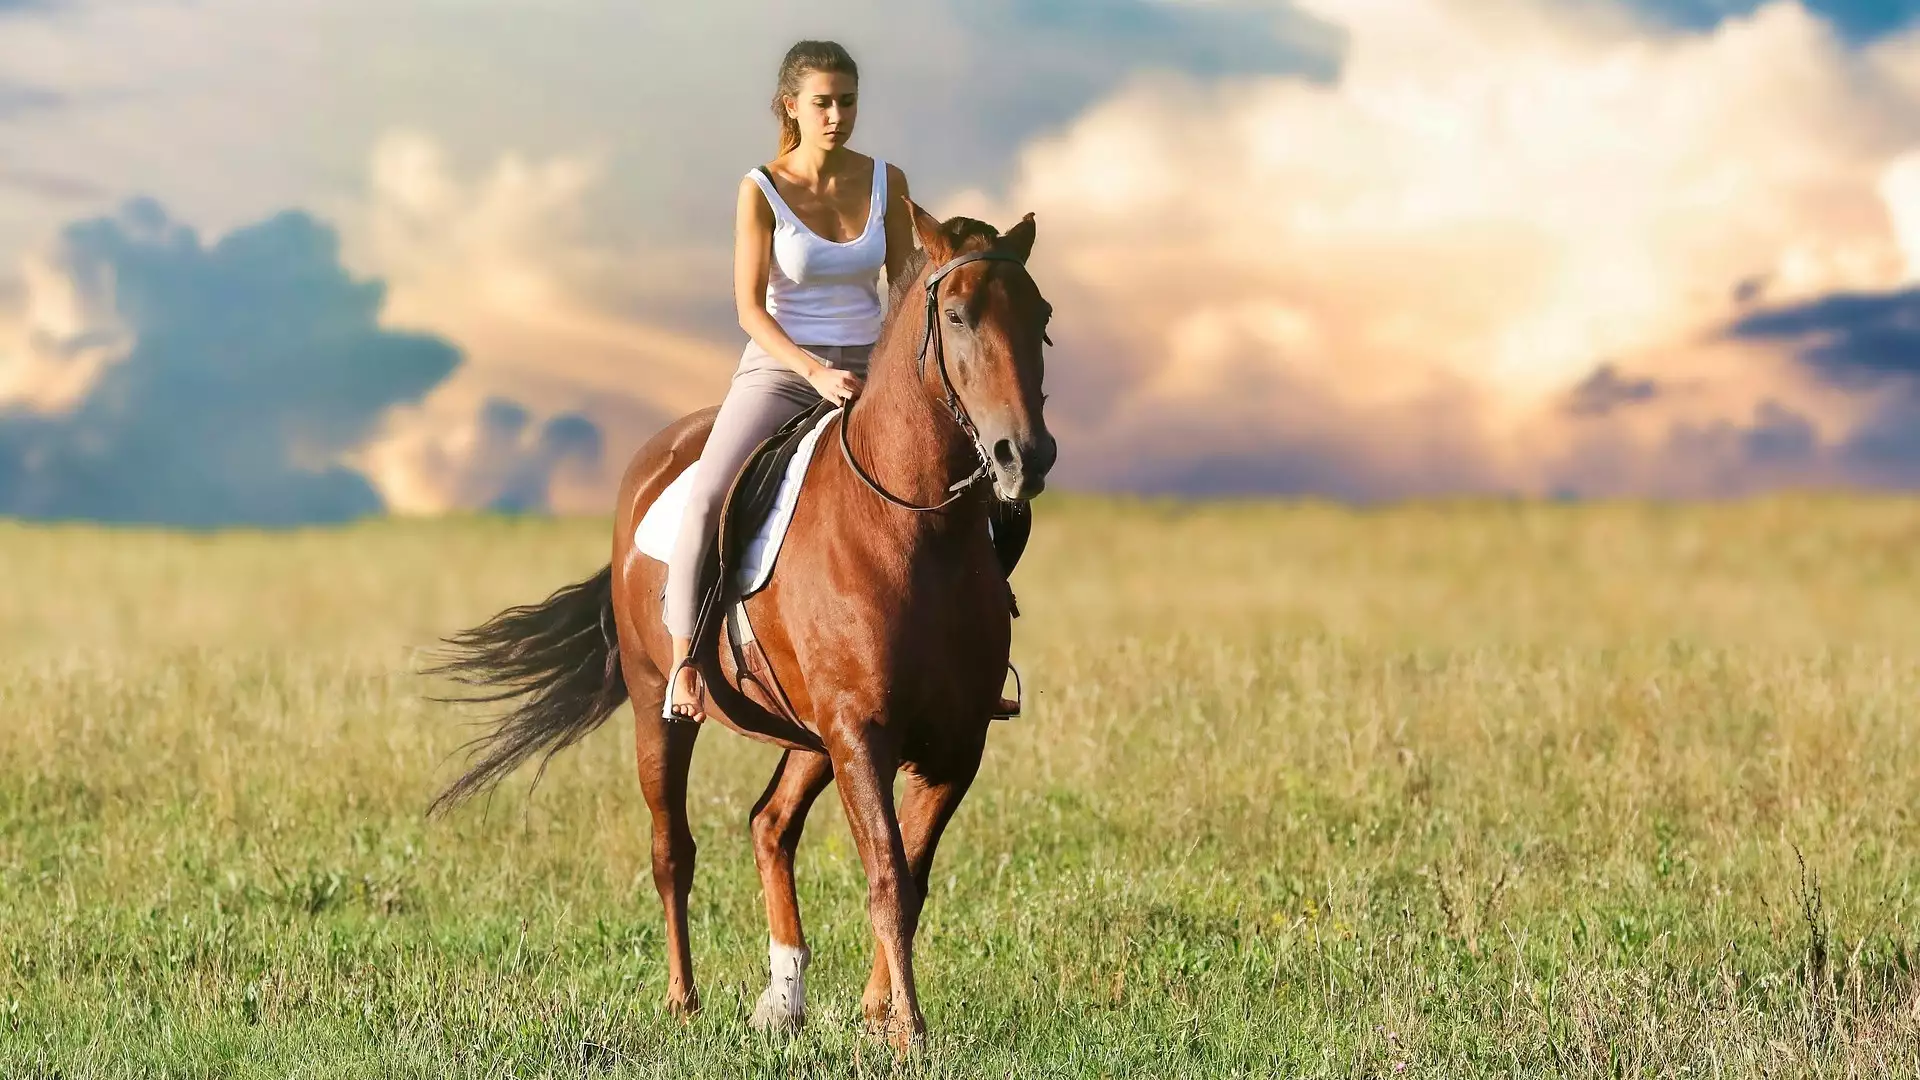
[934,342]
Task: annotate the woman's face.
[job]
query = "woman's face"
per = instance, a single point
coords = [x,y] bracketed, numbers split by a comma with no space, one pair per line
[825,108]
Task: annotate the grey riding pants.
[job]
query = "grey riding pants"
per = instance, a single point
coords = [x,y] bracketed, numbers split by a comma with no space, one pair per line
[764,395]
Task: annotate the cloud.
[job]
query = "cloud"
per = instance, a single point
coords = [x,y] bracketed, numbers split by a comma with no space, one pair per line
[260,379]
[1858,20]
[1779,434]
[510,264]
[1367,248]
[215,106]
[254,380]
[16,98]
[207,384]
[515,204]
[1852,338]
[1606,390]
[1272,283]
[158,378]
[498,459]
[1867,344]
[49,187]
[1007,71]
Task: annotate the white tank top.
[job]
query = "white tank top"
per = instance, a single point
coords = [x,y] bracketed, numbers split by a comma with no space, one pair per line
[820,292]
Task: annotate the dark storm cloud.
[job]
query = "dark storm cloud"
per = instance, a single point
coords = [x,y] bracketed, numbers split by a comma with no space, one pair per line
[1885,448]
[1851,339]
[1778,435]
[522,469]
[1865,343]
[255,363]
[1606,390]
[1856,20]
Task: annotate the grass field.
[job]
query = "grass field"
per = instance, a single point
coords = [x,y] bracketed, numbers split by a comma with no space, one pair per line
[1438,791]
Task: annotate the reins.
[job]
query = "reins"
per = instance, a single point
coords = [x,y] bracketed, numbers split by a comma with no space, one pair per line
[935,340]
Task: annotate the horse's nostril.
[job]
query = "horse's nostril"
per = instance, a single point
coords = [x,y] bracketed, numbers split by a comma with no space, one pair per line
[1003,453]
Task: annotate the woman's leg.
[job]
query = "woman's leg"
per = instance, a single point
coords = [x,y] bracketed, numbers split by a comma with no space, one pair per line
[757,403]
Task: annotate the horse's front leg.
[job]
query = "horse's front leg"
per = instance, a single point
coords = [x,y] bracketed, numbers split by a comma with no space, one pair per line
[777,820]
[865,756]
[933,794]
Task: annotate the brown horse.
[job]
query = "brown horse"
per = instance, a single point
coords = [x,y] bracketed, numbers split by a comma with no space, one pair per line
[887,621]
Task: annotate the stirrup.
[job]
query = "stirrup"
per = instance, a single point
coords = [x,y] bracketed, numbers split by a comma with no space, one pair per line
[1000,712]
[699,695]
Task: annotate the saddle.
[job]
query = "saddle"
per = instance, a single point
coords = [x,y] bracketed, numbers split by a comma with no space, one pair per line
[750,499]
[751,496]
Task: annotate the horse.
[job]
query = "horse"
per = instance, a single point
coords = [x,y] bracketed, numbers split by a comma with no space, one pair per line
[887,621]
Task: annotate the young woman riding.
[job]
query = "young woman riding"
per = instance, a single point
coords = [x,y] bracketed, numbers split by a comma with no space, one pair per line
[812,230]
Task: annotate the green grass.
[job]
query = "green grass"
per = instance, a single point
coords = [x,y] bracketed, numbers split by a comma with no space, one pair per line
[1438,790]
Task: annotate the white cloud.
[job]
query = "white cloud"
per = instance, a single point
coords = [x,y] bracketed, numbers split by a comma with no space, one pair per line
[1900,187]
[507,265]
[67,333]
[1493,199]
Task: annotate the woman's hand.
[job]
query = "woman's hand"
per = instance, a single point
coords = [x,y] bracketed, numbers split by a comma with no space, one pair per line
[834,384]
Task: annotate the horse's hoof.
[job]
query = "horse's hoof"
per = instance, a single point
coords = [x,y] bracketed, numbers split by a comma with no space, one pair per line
[683,1007]
[775,1014]
[903,1034]
[907,1038]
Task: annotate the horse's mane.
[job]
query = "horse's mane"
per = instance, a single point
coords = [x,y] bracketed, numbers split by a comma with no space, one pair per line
[909,273]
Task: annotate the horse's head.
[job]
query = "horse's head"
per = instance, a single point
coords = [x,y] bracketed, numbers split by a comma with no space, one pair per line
[988,323]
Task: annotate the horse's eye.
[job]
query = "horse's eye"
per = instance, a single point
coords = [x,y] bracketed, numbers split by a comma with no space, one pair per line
[953,317]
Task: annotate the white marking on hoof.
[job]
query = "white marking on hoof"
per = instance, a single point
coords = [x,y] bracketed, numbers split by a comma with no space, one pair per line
[784,1004]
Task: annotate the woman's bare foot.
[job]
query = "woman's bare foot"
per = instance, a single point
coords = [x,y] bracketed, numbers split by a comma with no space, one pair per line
[686,698]
[689,703]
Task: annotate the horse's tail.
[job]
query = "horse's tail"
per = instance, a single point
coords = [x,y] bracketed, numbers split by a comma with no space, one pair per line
[562,654]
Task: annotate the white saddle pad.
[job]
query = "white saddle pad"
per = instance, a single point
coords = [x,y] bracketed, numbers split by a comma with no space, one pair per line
[655,534]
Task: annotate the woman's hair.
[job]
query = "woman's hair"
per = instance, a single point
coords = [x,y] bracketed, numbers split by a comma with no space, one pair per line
[805,58]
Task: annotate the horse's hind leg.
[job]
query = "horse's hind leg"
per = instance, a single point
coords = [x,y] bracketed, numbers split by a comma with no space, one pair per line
[777,820]
[926,806]
[665,753]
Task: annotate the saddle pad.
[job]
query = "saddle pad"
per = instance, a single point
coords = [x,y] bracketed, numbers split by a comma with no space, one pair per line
[658,529]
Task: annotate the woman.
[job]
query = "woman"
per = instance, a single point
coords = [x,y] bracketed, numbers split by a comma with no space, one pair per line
[812,230]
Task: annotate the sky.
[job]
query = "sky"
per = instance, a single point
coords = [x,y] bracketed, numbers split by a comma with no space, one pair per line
[314,260]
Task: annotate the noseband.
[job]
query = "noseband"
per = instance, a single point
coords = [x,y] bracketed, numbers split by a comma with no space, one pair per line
[934,341]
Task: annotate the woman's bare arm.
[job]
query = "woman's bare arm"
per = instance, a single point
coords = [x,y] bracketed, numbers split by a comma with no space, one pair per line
[752,258]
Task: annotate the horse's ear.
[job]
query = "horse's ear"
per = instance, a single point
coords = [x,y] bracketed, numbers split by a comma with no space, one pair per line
[938,245]
[1019,239]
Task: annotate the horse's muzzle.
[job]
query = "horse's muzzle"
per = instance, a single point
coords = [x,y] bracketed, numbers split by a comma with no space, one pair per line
[1020,466]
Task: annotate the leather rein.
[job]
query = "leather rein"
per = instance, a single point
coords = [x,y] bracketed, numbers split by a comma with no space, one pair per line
[934,340]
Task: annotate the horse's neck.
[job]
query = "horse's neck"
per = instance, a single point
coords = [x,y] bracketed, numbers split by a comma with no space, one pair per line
[907,441]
